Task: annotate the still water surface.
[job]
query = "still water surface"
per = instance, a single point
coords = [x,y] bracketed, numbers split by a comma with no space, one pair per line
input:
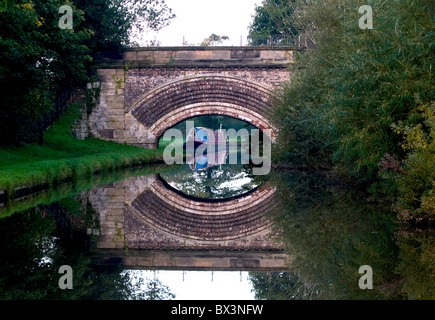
[205,232]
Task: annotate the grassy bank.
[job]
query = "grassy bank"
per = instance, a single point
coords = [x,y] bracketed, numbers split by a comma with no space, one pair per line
[76,186]
[62,158]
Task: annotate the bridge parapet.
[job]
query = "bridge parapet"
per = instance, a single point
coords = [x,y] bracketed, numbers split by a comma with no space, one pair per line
[149,57]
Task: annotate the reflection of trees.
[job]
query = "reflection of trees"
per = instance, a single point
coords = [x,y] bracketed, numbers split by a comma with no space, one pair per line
[221,181]
[156,290]
[147,289]
[35,243]
[330,232]
[281,286]
[417,259]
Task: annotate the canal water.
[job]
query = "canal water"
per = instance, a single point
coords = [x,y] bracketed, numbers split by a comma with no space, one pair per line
[207,232]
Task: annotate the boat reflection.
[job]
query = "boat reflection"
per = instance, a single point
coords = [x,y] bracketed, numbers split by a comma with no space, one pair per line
[209,160]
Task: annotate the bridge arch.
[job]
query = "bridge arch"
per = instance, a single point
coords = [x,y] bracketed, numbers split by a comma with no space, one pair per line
[220,220]
[142,213]
[181,99]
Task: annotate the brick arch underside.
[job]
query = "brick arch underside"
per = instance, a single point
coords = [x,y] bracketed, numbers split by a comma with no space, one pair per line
[168,105]
[214,221]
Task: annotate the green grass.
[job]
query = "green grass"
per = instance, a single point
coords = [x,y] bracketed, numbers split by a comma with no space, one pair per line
[62,157]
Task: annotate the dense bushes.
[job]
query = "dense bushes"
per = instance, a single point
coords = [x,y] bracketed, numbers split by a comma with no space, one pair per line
[362,100]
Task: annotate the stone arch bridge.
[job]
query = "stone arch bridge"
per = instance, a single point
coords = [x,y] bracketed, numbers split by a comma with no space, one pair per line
[148,90]
[144,223]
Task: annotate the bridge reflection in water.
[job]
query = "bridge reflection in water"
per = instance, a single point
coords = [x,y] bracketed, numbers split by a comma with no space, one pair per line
[144,223]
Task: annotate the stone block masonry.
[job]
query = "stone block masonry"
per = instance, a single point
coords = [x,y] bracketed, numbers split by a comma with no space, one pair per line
[152,89]
[141,213]
[145,224]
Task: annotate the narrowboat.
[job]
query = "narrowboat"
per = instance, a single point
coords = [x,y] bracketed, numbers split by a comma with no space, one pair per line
[201,135]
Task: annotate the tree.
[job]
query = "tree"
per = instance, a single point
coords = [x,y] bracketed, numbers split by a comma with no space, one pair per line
[272,23]
[39,60]
[350,91]
[213,39]
[115,23]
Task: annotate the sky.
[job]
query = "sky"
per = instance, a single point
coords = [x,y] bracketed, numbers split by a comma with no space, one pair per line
[203,285]
[198,19]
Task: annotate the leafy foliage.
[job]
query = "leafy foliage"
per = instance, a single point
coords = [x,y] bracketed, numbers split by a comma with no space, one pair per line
[213,39]
[115,23]
[417,183]
[269,23]
[38,59]
[361,102]
[361,94]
